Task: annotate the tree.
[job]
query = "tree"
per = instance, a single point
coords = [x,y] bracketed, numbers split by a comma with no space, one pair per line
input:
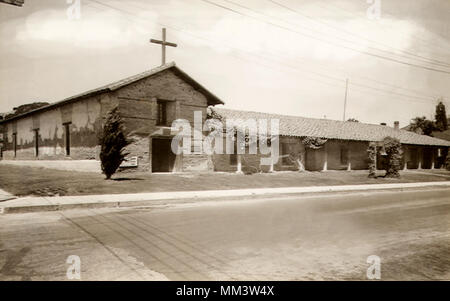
[426,126]
[22,109]
[392,147]
[441,117]
[113,142]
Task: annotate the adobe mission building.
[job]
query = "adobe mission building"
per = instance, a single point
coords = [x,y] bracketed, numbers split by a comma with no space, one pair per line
[149,102]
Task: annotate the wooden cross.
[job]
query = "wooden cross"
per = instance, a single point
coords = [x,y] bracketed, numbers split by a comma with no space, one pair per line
[163,43]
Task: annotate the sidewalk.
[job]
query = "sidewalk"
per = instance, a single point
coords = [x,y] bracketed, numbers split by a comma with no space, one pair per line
[5,196]
[33,204]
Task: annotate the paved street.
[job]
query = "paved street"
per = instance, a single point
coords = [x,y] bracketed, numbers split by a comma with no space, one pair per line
[328,236]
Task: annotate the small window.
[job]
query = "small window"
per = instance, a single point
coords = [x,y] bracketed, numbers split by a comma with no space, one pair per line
[14,138]
[344,155]
[162,113]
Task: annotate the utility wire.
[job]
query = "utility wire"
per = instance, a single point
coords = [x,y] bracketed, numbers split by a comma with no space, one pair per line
[265,58]
[339,8]
[419,57]
[327,42]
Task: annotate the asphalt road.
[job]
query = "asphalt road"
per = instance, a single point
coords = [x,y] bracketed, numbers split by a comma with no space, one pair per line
[323,237]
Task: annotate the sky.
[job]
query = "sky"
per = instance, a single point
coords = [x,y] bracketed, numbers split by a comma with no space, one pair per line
[277,56]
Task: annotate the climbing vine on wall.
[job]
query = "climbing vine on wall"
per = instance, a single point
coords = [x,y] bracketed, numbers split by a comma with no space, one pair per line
[447,161]
[372,152]
[393,149]
[211,114]
[313,142]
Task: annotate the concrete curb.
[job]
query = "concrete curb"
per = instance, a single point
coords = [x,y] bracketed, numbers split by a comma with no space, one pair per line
[158,199]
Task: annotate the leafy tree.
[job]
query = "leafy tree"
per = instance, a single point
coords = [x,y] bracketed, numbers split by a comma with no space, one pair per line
[423,124]
[25,108]
[392,147]
[441,117]
[113,142]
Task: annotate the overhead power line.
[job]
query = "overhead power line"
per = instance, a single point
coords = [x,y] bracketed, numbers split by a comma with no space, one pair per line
[413,55]
[325,41]
[419,39]
[334,79]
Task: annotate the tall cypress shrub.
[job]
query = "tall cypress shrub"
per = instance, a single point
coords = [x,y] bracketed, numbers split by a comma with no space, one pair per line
[441,117]
[112,141]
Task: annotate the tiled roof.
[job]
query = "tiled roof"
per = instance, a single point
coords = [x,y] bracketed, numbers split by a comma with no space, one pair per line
[333,129]
[212,99]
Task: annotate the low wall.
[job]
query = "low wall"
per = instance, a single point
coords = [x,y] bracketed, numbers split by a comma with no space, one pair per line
[71,165]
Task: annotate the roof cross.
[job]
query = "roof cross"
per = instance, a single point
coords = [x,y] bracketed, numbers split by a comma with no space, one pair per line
[163,43]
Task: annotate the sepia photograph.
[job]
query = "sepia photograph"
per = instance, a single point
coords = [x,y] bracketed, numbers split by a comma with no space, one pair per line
[224,147]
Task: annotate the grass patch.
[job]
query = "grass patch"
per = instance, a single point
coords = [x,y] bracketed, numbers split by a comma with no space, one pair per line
[24,181]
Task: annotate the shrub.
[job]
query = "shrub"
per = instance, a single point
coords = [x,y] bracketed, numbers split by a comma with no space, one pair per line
[392,148]
[113,142]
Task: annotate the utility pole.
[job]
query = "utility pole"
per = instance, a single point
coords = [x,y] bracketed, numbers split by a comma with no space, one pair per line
[345,99]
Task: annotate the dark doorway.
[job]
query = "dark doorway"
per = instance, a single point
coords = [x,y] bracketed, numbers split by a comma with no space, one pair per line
[382,159]
[427,157]
[163,159]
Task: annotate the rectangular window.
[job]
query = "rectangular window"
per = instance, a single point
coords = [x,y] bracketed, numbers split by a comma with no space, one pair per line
[162,113]
[14,138]
[36,142]
[344,155]
[67,137]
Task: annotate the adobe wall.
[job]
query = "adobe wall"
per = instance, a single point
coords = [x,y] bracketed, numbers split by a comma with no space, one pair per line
[252,162]
[424,156]
[295,154]
[85,118]
[138,108]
